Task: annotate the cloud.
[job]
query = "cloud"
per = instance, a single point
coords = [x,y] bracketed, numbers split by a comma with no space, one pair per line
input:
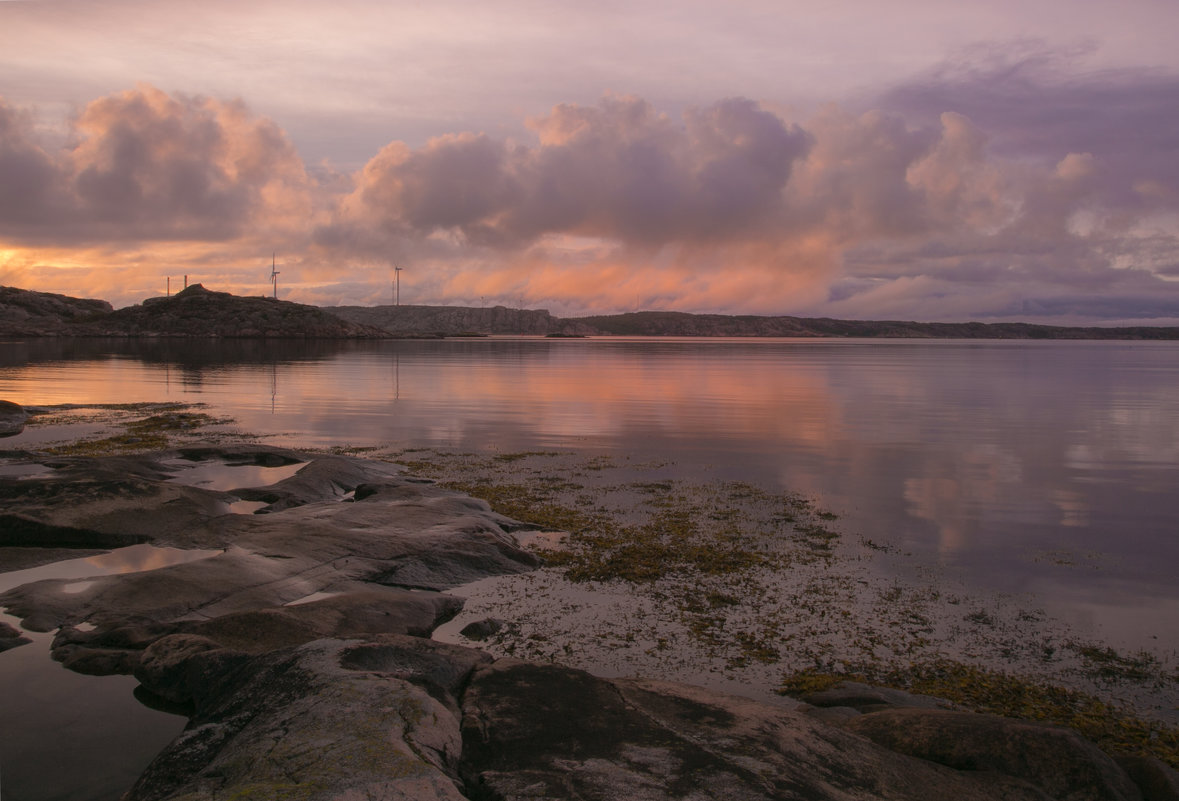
[145,165]
[1034,102]
[945,208]
[28,176]
[619,170]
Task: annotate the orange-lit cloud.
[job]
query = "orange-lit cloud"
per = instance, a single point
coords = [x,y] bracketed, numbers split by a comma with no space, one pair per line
[613,206]
[148,166]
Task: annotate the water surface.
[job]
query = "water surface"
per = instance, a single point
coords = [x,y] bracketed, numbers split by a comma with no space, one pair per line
[1045,467]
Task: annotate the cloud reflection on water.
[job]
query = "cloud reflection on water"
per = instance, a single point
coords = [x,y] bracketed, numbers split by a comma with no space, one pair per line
[981,454]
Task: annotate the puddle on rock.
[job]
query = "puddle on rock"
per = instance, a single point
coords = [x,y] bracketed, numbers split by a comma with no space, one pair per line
[315,596]
[132,559]
[245,507]
[94,724]
[21,470]
[214,474]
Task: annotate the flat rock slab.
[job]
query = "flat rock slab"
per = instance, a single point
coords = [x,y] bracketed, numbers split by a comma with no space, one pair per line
[396,534]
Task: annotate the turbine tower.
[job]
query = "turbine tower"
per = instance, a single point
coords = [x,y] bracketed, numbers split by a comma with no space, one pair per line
[274,275]
[397,284]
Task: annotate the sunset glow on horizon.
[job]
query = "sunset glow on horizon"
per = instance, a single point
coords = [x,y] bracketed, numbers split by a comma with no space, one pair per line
[974,161]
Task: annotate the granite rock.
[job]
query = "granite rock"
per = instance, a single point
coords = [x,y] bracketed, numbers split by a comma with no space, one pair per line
[12,418]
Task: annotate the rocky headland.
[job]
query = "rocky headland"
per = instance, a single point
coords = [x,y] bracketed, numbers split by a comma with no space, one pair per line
[193,312]
[27,313]
[299,647]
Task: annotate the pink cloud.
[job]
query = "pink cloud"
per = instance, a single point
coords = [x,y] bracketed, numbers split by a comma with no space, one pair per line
[610,206]
[618,170]
[145,165]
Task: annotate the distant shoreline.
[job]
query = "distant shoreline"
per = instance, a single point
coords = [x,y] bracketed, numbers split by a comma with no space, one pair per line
[200,313]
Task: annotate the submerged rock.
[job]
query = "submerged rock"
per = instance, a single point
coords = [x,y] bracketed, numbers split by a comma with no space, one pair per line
[482,629]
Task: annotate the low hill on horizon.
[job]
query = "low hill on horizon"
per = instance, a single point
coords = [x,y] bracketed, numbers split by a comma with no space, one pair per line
[452,320]
[193,312]
[24,312]
[199,312]
[654,323]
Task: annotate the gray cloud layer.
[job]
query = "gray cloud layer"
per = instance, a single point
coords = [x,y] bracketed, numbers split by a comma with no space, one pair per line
[1003,190]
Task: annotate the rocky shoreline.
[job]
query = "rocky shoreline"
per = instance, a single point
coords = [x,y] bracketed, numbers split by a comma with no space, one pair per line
[299,648]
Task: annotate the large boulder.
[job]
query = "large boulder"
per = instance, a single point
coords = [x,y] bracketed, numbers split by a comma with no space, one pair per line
[331,719]
[548,732]
[1058,761]
[12,418]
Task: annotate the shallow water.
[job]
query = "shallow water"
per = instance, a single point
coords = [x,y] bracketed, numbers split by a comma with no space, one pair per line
[213,474]
[67,736]
[1044,469]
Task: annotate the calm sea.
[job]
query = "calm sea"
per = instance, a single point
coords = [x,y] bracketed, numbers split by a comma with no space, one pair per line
[1043,468]
[1008,460]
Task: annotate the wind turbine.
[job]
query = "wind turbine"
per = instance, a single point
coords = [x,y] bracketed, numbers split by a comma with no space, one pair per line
[274,276]
[397,283]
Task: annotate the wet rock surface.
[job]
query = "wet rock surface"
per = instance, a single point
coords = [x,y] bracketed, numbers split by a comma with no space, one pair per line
[400,534]
[299,648]
[10,637]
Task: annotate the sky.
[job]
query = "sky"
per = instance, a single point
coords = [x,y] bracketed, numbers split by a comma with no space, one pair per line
[988,160]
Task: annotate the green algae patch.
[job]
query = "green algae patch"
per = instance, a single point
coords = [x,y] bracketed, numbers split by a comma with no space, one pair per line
[732,582]
[168,424]
[1105,663]
[685,529]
